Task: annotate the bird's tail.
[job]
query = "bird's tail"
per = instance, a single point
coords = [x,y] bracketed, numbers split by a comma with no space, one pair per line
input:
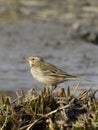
[72,77]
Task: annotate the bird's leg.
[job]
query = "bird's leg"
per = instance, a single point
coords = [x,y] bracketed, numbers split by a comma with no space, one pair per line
[46,88]
[54,86]
[49,88]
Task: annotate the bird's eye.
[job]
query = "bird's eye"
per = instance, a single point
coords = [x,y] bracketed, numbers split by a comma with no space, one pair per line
[33,59]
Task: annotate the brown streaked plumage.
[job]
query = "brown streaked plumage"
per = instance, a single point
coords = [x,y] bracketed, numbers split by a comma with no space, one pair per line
[47,73]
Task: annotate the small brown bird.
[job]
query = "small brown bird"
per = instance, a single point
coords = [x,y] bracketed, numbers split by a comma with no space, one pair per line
[47,73]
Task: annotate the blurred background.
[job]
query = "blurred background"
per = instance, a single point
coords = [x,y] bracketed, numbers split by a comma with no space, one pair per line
[64,33]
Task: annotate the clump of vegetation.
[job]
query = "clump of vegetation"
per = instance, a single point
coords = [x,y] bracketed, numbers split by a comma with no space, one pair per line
[48,111]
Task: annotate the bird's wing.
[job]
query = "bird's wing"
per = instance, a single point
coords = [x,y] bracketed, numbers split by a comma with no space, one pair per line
[52,70]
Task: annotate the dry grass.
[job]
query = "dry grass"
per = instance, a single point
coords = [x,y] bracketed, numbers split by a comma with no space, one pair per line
[49,111]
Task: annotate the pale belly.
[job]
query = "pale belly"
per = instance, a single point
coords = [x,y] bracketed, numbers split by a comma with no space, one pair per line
[38,76]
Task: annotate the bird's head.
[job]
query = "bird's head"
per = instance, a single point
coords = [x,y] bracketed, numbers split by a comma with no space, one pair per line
[34,59]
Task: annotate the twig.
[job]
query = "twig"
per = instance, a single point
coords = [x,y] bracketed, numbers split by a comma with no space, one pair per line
[15,100]
[5,122]
[29,126]
[45,116]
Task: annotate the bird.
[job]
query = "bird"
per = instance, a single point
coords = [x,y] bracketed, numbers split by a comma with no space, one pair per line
[47,73]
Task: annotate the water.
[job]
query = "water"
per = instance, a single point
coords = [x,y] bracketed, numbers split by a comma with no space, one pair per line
[26,38]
